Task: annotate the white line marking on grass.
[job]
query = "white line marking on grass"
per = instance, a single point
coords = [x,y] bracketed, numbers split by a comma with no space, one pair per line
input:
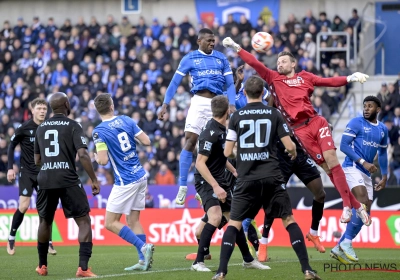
[188,268]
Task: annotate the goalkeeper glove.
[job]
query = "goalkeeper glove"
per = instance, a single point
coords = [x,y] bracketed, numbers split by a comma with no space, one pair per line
[357,77]
[229,43]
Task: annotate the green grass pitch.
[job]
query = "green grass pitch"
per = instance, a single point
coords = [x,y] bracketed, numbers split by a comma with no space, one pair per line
[169,263]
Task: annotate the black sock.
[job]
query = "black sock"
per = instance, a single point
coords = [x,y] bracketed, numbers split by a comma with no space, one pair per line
[244,248]
[297,240]
[253,237]
[85,252]
[42,251]
[205,240]
[16,222]
[317,212]
[267,226]
[227,246]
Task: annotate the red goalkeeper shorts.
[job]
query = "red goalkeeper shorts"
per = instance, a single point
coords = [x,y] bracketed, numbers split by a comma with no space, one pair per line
[315,138]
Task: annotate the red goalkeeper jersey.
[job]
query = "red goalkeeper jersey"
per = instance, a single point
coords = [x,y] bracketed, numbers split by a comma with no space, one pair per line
[292,95]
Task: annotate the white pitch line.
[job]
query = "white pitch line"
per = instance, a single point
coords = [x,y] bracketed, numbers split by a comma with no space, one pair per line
[188,269]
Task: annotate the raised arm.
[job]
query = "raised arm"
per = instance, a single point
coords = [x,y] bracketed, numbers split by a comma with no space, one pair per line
[339,81]
[260,68]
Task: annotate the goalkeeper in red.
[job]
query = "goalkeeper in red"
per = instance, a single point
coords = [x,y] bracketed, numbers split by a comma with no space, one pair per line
[292,93]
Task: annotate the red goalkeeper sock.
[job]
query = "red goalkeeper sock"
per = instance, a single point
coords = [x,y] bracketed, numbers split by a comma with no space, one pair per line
[339,181]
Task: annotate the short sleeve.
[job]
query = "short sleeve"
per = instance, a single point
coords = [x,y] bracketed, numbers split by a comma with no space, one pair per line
[232,132]
[282,128]
[352,128]
[78,137]
[18,135]
[184,66]
[98,141]
[207,139]
[136,129]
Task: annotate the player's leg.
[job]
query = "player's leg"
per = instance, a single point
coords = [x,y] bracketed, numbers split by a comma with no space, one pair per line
[277,205]
[263,249]
[25,193]
[317,211]
[363,192]
[76,205]
[214,214]
[197,233]
[46,204]
[339,178]
[246,202]
[17,219]
[251,232]
[318,142]
[198,115]
[185,161]
[214,209]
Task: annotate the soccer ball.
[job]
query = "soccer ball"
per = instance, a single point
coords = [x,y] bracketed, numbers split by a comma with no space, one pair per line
[262,42]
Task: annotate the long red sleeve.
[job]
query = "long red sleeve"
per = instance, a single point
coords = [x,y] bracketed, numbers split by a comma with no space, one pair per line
[330,82]
[260,68]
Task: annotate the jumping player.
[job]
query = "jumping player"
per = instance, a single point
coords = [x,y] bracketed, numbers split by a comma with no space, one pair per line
[291,93]
[211,74]
[25,136]
[255,128]
[363,138]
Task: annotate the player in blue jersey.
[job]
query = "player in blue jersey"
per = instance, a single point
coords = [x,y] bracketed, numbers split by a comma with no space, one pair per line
[115,139]
[211,75]
[363,138]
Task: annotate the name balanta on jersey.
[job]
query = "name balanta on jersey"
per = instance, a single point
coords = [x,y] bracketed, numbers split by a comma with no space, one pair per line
[55,165]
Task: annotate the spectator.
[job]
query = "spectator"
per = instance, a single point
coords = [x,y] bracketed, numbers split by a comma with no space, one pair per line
[291,22]
[321,108]
[244,25]
[338,24]
[396,117]
[125,27]
[323,21]
[309,46]
[149,200]
[309,19]
[354,19]
[185,25]
[165,176]
[172,163]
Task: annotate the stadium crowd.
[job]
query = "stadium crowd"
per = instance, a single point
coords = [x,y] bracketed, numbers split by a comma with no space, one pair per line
[135,61]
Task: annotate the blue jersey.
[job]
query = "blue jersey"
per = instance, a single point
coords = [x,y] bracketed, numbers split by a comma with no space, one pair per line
[241,100]
[363,139]
[118,134]
[208,71]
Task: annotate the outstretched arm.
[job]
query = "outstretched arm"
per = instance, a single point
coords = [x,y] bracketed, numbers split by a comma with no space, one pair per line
[173,86]
[340,81]
[260,68]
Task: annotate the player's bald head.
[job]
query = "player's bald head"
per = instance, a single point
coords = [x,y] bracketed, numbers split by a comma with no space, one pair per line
[57,101]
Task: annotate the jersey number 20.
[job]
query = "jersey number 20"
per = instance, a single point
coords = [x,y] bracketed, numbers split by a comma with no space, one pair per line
[124,141]
[255,127]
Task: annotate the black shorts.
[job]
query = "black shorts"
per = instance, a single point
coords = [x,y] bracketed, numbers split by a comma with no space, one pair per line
[27,183]
[208,197]
[303,167]
[269,193]
[73,199]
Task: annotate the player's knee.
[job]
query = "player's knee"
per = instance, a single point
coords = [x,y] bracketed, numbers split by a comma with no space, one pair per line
[191,141]
[320,196]
[368,205]
[288,220]
[23,207]
[215,219]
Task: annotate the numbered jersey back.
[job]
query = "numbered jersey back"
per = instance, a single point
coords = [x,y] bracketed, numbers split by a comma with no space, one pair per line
[118,134]
[57,141]
[256,127]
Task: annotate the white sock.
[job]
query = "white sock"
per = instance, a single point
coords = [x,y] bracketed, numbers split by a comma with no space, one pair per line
[11,237]
[50,242]
[264,240]
[348,241]
[314,232]
[183,187]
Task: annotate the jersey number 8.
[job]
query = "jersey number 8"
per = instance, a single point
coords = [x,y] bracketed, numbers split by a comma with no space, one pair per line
[255,127]
[124,141]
